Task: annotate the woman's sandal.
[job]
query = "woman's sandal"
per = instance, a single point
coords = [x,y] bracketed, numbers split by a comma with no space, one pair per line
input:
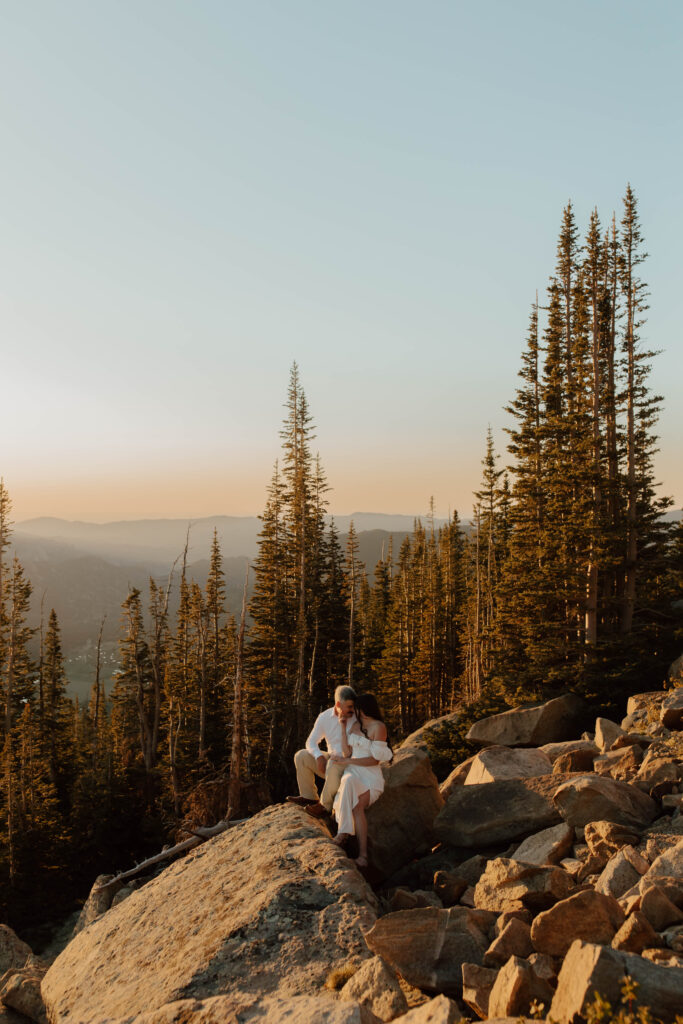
[341,838]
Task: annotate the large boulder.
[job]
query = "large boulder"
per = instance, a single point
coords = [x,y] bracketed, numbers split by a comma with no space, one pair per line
[586,798]
[269,907]
[428,947]
[590,969]
[530,726]
[509,884]
[400,823]
[496,763]
[498,812]
[419,737]
[585,915]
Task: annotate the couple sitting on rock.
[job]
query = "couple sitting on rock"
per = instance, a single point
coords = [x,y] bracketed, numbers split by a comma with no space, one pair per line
[356,740]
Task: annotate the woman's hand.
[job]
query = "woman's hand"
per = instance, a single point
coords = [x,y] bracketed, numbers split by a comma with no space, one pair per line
[338,759]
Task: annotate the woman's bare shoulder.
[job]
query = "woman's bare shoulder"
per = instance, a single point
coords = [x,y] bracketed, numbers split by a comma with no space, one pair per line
[377,731]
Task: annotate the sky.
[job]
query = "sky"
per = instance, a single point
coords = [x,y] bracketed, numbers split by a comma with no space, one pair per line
[193,195]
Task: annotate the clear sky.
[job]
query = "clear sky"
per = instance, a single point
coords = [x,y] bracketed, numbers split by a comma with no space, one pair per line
[195,194]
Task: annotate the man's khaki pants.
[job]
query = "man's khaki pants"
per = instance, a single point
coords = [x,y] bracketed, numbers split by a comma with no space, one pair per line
[306,771]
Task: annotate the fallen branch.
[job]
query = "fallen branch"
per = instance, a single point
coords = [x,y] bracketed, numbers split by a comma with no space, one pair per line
[199,835]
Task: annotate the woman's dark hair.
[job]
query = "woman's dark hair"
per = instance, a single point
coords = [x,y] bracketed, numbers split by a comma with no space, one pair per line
[366,703]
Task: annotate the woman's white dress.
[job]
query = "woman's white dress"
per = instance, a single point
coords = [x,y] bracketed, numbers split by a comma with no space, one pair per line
[359,779]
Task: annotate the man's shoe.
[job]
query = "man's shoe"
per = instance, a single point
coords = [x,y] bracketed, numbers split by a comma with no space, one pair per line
[317,810]
[300,801]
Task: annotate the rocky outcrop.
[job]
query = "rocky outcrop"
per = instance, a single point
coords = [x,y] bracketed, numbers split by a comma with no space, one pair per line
[561,880]
[419,737]
[266,908]
[400,823]
[530,726]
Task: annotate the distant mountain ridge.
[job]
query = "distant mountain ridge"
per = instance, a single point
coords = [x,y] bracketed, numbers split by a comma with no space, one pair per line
[161,541]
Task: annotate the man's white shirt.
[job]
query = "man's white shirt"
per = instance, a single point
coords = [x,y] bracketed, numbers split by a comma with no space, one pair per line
[327,727]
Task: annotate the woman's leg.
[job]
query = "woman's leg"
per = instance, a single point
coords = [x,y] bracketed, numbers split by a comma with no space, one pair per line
[361,826]
[343,807]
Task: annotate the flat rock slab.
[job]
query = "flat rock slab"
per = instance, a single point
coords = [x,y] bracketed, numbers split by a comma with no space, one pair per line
[590,968]
[496,763]
[498,812]
[428,947]
[273,1010]
[530,727]
[555,750]
[400,823]
[268,907]
[587,798]
[548,846]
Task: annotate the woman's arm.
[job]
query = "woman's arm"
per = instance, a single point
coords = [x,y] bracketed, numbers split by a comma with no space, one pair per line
[365,762]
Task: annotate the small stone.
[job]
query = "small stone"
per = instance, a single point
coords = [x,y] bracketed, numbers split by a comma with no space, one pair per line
[514,940]
[515,988]
[606,733]
[618,876]
[605,838]
[546,847]
[449,887]
[374,985]
[477,983]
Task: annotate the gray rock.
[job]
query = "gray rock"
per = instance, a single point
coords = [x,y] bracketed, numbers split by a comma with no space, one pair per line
[375,986]
[606,732]
[546,847]
[587,798]
[671,710]
[509,885]
[532,726]
[400,822]
[514,940]
[498,812]
[586,915]
[419,737]
[555,750]
[439,1010]
[590,968]
[618,877]
[515,988]
[477,983]
[496,763]
[428,947]
[456,778]
[13,952]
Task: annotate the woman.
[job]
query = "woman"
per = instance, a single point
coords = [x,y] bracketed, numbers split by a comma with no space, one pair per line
[364,748]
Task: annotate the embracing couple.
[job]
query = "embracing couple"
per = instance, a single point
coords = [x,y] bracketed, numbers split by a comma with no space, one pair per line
[356,740]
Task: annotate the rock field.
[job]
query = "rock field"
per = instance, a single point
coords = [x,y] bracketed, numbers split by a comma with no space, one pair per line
[543,870]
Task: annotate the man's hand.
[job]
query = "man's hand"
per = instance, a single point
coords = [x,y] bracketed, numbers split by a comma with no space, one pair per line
[338,759]
[321,762]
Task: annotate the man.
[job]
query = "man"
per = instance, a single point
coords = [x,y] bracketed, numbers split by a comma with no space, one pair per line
[313,761]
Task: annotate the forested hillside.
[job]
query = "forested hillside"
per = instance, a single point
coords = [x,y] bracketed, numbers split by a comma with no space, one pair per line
[569,578]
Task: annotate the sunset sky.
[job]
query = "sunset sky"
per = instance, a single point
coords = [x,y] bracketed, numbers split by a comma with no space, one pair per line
[195,194]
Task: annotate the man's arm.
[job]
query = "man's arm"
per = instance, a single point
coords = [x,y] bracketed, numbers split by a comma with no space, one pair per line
[316,734]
